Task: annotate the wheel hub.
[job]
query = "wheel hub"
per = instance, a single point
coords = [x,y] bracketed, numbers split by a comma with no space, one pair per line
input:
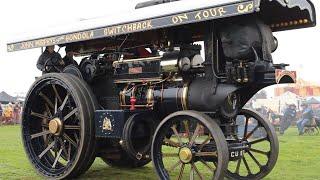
[185,155]
[55,126]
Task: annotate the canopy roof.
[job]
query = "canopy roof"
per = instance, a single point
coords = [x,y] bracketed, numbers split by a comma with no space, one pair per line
[279,14]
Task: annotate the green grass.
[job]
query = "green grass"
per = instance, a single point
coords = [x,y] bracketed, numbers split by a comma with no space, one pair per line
[299,159]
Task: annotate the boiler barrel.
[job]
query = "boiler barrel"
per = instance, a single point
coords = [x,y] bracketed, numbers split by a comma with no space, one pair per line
[198,95]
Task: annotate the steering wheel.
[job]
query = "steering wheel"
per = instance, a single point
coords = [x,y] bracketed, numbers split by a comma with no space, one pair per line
[49,66]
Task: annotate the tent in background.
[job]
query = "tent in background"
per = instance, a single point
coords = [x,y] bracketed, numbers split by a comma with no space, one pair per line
[6,98]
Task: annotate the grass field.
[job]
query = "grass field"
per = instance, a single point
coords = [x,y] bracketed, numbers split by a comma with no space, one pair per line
[299,159]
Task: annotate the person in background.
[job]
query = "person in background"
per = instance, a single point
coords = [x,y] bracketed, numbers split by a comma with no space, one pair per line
[8,114]
[1,110]
[16,112]
[68,58]
[288,116]
[272,116]
[306,117]
[50,61]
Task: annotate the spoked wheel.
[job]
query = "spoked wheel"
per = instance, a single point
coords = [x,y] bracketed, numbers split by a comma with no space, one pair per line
[57,126]
[317,131]
[311,131]
[189,145]
[259,146]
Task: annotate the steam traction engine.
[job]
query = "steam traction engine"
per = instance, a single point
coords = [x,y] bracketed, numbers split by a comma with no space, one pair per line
[170,88]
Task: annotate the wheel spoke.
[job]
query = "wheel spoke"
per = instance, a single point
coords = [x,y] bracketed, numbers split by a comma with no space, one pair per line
[55,104]
[245,128]
[174,129]
[57,158]
[56,92]
[181,171]
[201,154]
[197,171]
[45,98]
[40,134]
[259,151]
[195,134]
[48,110]
[238,166]
[246,165]
[69,152]
[42,116]
[250,134]
[191,176]
[174,166]
[258,140]
[71,127]
[63,146]
[254,159]
[76,136]
[171,143]
[70,114]
[215,164]
[64,102]
[169,155]
[186,127]
[70,140]
[204,142]
[207,165]
[47,149]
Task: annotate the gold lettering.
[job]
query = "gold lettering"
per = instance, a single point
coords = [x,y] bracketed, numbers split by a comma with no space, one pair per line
[108,31]
[10,48]
[205,14]
[149,25]
[134,26]
[144,25]
[180,18]
[245,8]
[175,19]
[124,29]
[76,36]
[221,11]
[129,27]
[213,12]
[118,29]
[27,45]
[198,16]
[139,26]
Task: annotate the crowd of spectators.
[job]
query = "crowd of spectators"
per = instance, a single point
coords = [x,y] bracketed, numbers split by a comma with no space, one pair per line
[10,113]
[291,116]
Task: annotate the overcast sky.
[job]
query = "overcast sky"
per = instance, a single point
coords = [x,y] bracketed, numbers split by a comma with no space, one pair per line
[300,48]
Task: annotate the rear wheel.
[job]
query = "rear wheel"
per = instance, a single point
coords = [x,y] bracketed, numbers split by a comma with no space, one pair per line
[57,127]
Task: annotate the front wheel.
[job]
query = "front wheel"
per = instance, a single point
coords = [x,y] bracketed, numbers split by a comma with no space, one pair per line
[261,147]
[189,145]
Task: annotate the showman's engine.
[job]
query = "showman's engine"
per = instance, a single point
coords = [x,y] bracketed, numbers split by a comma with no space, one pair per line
[167,83]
